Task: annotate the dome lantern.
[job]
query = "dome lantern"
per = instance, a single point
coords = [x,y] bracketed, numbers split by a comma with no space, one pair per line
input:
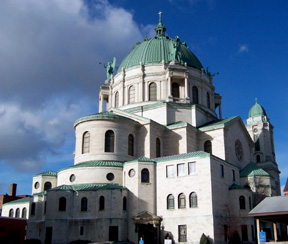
[160,28]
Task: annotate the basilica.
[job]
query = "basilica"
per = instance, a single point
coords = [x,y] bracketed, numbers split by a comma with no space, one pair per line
[158,161]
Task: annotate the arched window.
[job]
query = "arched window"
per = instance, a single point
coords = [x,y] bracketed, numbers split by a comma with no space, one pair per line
[86,142]
[84,204]
[258,159]
[158,148]
[131,94]
[24,213]
[193,200]
[195,95]
[101,203]
[175,90]
[17,214]
[181,201]
[11,213]
[208,146]
[33,208]
[62,204]
[152,91]
[47,186]
[116,99]
[124,203]
[208,100]
[242,202]
[145,175]
[109,141]
[131,145]
[170,202]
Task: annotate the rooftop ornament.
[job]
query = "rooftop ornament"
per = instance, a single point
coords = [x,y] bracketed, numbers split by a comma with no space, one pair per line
[110,68]
[160,28]
[210,74]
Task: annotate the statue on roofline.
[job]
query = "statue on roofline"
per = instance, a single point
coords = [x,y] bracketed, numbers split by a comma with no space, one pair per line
[176,53]
[110,68]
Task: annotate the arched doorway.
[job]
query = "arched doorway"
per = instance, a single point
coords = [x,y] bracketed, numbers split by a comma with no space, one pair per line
[148,227]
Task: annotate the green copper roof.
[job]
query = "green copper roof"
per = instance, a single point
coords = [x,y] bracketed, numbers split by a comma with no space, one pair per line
[219,123]
[96,164]
[141,159]
[101,116]
[155,50]
[47,173]
[88,187]
[237,187]
[21,200]
[180,124]
[200,154]
[257,110]
[252,169]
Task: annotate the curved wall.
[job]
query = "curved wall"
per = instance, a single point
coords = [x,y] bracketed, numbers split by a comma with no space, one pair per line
[88,175]
[97,129]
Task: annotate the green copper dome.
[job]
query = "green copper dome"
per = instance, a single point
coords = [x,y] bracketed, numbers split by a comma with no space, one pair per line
[257,110]
[161,47]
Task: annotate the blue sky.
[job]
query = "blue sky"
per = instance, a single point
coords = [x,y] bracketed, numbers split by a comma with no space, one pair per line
[50,73]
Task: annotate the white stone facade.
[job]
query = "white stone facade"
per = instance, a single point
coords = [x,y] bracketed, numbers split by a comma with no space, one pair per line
[158,163]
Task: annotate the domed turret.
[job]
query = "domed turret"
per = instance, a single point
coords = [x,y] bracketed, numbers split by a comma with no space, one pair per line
[257,110]
[162,73]
[160,47]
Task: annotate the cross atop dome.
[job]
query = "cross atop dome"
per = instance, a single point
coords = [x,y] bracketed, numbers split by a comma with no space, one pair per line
[160,28]
[160,17]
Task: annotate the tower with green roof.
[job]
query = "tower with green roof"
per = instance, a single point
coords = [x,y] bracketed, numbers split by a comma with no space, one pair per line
[261,132]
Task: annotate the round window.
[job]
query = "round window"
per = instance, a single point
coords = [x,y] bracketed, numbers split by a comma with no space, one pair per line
[72,178]
[110,176]
[131,172]
[238,150]
[37,185]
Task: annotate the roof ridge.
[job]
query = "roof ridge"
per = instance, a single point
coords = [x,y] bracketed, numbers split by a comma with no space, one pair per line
[237,187]
[252,169]
[21,200]
[96,163]
[141,159]
[88,187]
[182,156]
[47,173]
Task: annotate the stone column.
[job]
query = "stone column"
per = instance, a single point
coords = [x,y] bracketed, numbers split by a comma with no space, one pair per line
[123,89]
[101,104]
[146,91]
[220,112]
[169,97]
[110,98]
[275,232]
[187,99]
[141,85]
[258,230]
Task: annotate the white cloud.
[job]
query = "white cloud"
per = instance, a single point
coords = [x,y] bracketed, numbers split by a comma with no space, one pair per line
[243,48]
[50,72]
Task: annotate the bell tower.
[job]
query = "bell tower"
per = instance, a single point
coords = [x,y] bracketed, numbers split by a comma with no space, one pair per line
[261,132]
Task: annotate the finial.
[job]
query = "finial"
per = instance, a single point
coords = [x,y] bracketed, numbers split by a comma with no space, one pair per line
[256,99]
[160,28]
[160,17]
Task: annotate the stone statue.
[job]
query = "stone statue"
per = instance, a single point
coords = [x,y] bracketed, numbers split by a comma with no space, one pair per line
[177,52]
[110,68]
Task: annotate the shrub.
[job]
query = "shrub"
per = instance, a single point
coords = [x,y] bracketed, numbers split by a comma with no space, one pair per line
[204,239]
